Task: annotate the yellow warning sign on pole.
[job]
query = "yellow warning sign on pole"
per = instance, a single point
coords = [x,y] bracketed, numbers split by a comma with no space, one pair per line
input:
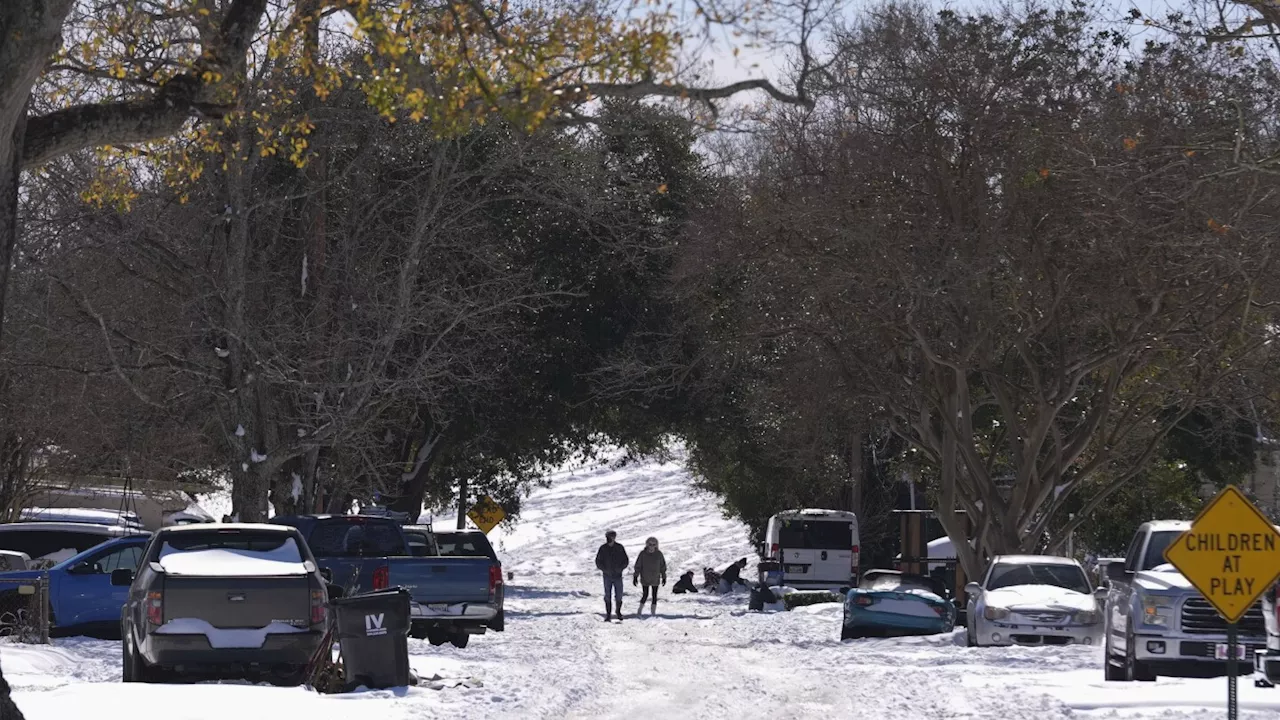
[1231,554]
[486,514]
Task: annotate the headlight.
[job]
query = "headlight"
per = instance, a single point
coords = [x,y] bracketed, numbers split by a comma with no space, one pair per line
[995,613]
[1156,609]
[1087,617]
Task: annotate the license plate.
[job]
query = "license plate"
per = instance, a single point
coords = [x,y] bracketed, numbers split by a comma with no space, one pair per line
[795,568]
[1220,652]
[438,607]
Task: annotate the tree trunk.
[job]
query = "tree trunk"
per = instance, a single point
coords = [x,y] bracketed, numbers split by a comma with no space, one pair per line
[462,504]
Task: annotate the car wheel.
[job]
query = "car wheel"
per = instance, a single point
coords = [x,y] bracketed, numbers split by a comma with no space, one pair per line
[135,669]
[970,638]
[437,637]
[1113,669]
[419,631]
[460,640]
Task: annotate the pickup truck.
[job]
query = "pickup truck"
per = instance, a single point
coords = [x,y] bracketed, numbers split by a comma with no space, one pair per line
[452,597]
[238,600]
[1158,623]
[82,600]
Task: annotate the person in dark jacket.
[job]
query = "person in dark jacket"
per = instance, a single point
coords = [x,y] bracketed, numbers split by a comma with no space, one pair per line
[612,561]
[684,584]
[651,567]
[733,574]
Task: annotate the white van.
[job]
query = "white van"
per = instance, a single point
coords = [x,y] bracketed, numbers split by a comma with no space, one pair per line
[817,548]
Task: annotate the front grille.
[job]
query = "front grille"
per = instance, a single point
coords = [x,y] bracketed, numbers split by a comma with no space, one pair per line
[1199,618]
[1044,617]
[1207,650]
[1041,639]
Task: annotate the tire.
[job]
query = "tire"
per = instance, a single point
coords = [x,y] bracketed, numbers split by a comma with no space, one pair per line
[419,631]
[437,637]
[1114,669]
[970,639]
[1134,668]
[135,669]
[460,640]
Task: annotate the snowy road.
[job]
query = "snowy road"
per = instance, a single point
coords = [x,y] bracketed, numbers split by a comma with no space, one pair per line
[703,655]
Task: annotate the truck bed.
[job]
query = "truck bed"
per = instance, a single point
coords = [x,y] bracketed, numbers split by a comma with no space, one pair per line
[442,579]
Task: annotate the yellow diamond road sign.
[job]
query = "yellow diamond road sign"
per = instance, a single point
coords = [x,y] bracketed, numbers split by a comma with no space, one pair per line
[1231,554]
[486,514]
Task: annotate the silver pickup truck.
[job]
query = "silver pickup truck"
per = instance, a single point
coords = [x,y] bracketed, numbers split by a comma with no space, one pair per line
[1159,624]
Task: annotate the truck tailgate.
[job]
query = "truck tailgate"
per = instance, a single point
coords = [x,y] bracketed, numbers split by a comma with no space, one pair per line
[242,602]
[442,579]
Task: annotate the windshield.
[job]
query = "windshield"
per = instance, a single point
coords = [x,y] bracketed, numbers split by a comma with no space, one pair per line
[356,537]
[1069,577]
[1155,549]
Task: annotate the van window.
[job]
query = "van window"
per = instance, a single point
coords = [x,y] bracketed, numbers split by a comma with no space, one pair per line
[815,535]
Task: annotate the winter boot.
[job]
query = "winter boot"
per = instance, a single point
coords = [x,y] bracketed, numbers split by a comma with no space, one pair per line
[618,610]
[608,614]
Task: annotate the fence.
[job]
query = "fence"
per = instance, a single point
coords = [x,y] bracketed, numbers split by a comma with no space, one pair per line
[24,610]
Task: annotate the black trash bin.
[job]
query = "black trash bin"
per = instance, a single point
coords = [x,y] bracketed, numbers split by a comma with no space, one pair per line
[373,631]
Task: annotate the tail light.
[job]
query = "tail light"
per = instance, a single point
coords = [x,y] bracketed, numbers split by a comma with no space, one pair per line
[864,600]
[495,579]
[853,561]
[155,608]
[318,611]
[382,578]
[774,551]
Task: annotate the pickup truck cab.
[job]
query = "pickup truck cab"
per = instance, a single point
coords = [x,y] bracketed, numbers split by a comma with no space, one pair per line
[82,600]
[452,597]
[1158,623]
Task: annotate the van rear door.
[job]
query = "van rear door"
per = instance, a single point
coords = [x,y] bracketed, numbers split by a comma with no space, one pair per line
[816,552]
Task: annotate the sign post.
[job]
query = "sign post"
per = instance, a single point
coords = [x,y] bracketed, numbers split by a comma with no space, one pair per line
[1231,555]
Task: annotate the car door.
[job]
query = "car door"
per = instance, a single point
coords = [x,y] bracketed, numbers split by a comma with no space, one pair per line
[86,594]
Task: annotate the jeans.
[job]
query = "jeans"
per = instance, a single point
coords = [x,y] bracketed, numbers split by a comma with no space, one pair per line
[613,582]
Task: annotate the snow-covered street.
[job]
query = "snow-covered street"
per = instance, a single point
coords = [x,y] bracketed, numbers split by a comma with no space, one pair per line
[703,656]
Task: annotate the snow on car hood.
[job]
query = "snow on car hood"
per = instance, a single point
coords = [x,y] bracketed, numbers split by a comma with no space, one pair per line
[1161,577]
[1039,597]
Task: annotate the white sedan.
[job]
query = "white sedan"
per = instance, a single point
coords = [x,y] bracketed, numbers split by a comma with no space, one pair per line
[1034,600]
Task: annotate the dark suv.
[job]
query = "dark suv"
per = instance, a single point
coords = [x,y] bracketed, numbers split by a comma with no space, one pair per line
[224,600]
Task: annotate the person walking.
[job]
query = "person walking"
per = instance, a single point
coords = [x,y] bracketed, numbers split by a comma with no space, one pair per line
[612,561]
[651,569]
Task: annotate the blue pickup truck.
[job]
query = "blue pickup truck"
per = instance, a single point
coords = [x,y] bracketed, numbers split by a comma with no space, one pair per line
[82,600]
[453,597]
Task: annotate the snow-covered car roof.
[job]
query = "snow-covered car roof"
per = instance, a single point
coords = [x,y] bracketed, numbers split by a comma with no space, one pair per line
[1034,560]
[201,527]
[818,512]
[76,527]
[1165,525]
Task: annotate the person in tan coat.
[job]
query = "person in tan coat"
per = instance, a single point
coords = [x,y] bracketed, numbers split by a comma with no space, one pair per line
[650,571]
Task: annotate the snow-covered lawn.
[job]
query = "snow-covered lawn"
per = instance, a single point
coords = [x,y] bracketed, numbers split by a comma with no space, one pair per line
[703,656]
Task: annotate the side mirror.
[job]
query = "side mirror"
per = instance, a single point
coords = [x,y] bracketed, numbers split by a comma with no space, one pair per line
[327,574]
[1116,571]
[1101,593]
[122,577]
[972,588]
